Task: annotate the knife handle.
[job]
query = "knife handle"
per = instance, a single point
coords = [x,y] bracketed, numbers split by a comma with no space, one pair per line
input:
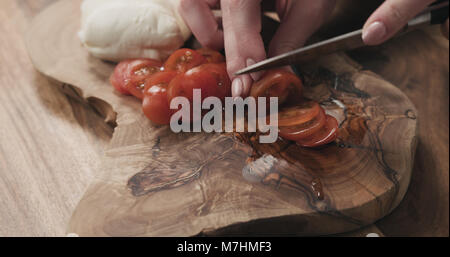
[441,15]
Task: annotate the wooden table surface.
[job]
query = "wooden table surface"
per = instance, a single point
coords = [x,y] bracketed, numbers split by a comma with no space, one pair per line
[42,178]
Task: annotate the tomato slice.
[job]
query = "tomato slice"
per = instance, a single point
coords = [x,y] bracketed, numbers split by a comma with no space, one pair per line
[138,72]
[183,60]
[278,83]
[211,55]
[324,136]
[303,131]
[155,105]
[299,114]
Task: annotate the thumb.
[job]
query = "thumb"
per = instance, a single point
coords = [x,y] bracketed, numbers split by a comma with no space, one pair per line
[243,42]
[390,18]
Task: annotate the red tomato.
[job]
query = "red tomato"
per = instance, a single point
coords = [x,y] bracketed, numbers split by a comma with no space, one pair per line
[183,60]
[211,55]
[212,79]
[299,114]
[278,83]
[140,70]
[155,104]
[324,136]
[220,74]
[303,131]
[129,76]
[117,79]
[162,78]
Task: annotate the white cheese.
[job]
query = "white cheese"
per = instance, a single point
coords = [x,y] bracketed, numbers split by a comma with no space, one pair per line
[115,30]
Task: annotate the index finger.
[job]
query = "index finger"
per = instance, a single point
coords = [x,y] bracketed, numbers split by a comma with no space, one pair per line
[200,19]
[243,41]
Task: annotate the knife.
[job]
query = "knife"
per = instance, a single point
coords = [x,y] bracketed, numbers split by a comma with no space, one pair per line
[435,14]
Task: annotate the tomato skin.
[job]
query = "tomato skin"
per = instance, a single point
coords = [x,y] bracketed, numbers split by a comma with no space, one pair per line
[155,104]
[183,60]
[212,79]
[162,78]
[278,83]
[324,136]
[139,71]
[117,79]
[211,55]
[306,130]
[156,107]
[129,76]
[222,84]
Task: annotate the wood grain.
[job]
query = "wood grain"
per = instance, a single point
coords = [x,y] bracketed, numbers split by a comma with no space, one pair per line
[50,145]
[148,187]
[423,76]
[26,211]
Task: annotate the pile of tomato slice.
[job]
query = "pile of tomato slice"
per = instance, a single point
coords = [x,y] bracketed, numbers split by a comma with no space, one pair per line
[300,120]
[157,83]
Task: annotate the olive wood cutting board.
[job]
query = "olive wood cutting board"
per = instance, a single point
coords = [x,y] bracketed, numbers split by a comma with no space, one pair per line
[157,183]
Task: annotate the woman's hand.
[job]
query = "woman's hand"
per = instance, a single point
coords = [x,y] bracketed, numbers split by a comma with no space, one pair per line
[241,24]
[391,17]
[241,35]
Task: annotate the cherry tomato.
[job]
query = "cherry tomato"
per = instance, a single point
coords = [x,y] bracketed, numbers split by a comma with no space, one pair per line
[183,60]
[300,114]
[212,79]
[303,131]
[130,75]
[222,80]
[138,72]
[278,83]
[155,104]
[324,136]
[162,79]
[211,55]
[118,79]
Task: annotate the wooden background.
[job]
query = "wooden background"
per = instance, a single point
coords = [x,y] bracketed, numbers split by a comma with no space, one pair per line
[41,180]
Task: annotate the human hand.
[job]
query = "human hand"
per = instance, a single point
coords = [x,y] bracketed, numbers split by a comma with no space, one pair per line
[241,37]
[391,17]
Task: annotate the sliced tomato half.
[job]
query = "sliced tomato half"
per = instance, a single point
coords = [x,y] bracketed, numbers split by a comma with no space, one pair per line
[129,76]
[183,60]
[118,78]
[139,71]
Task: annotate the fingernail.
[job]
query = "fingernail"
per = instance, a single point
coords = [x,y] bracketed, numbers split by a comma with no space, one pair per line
[255,75]
[375,33]
[237,87]
[247,83]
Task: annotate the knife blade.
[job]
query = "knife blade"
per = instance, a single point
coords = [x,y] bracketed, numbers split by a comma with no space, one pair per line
[433,15]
